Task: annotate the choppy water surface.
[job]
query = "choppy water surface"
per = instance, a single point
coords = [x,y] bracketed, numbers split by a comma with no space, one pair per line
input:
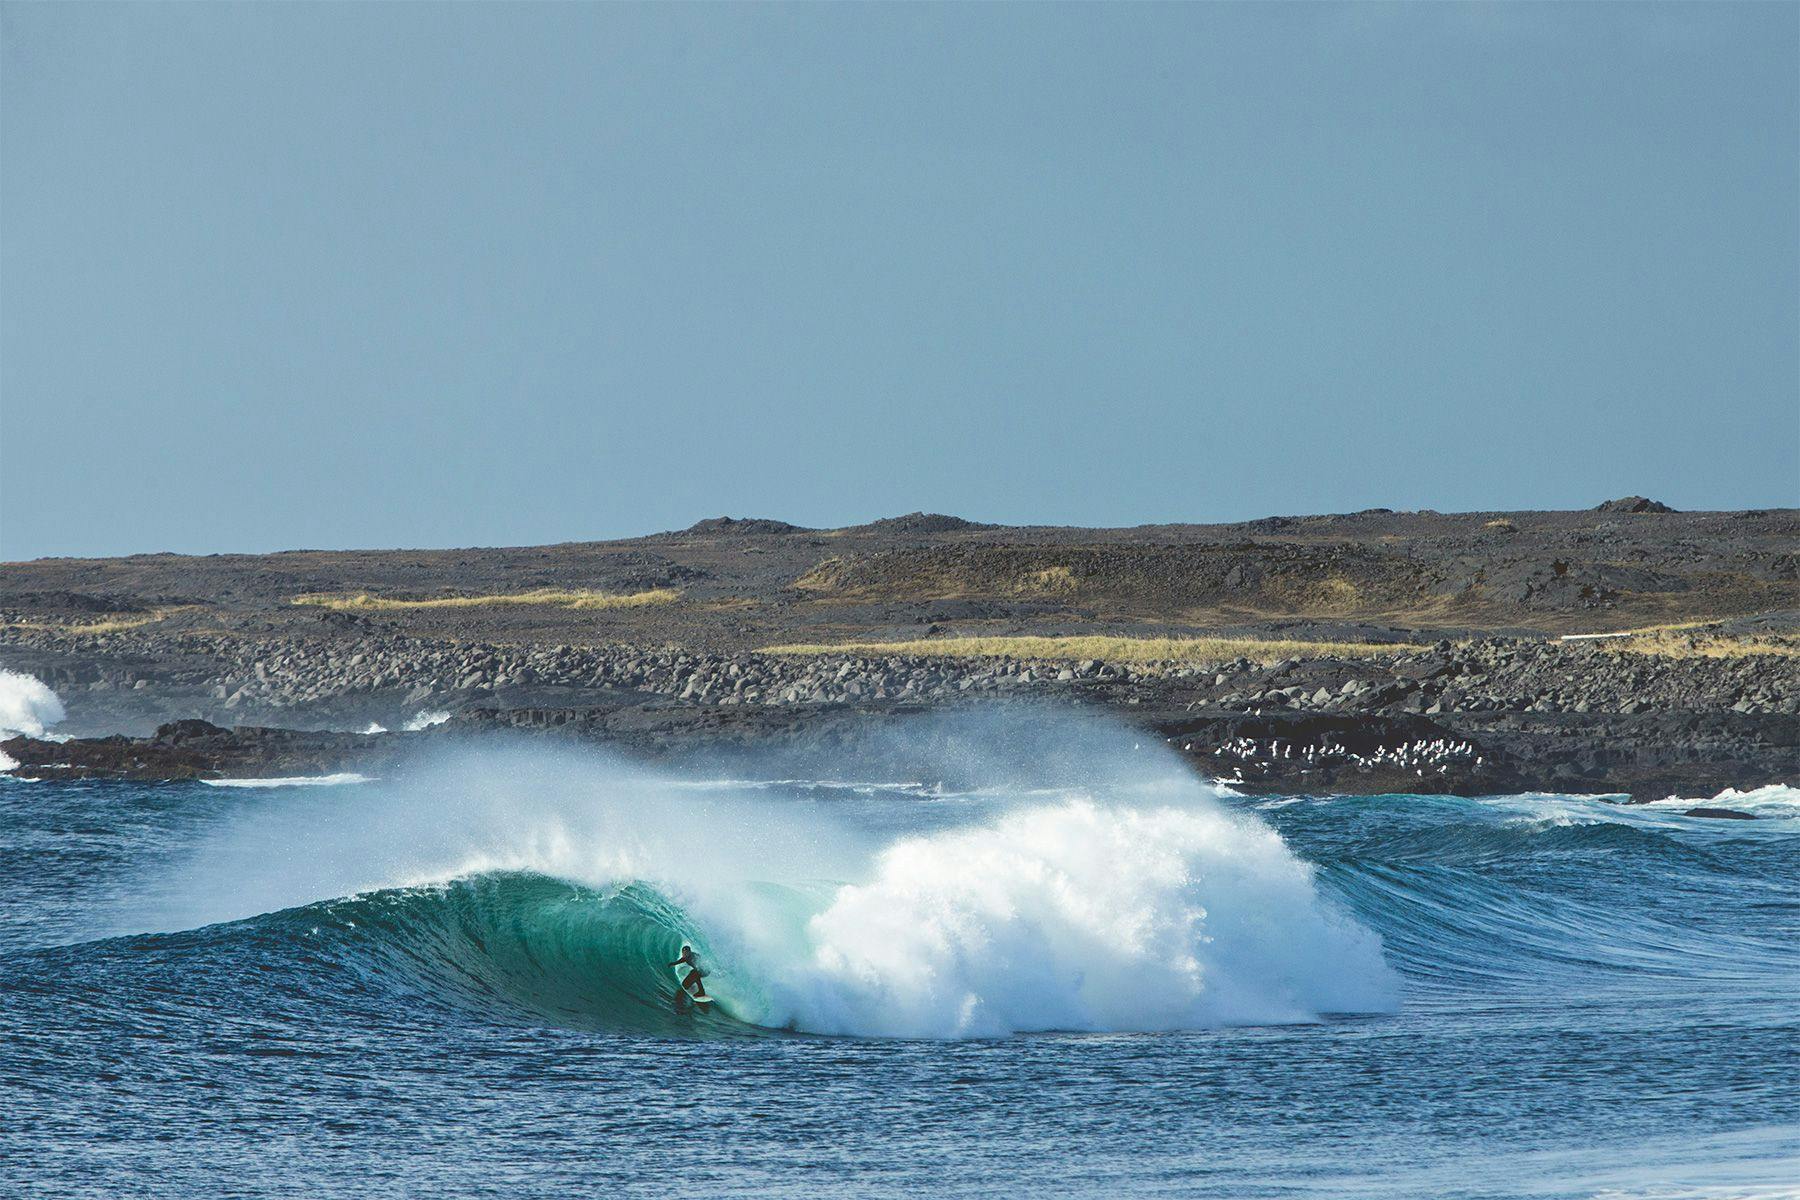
[457,984]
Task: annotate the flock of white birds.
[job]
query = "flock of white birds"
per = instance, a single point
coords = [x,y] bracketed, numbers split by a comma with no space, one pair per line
[1418,756]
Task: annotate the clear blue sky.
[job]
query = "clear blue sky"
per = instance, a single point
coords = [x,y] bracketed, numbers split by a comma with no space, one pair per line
[396,274]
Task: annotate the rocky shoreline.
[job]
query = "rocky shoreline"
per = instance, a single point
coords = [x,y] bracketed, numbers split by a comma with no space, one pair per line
[1434,654]
[225,678]
[1484,716]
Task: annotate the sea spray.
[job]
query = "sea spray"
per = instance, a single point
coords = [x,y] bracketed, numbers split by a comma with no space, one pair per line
[27,705]
[587,819]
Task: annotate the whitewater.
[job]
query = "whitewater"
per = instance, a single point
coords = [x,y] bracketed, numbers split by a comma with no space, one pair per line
[1152,908]
[27,707]
[1087,972]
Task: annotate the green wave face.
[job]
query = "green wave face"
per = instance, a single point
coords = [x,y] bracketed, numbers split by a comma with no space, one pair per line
[521,946]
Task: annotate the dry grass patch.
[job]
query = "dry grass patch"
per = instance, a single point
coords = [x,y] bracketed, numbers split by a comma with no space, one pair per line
[1690,639]
[108,623]
[1105,649]
[1052,580]
[1672,644]
[548,597]
[1331,594]
[941,582]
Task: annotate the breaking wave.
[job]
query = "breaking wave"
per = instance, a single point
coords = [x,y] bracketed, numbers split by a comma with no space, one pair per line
[421,720]
[562,892]
[337,779]
[27,705]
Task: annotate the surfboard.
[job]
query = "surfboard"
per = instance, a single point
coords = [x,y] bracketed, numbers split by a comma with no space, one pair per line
[683,995]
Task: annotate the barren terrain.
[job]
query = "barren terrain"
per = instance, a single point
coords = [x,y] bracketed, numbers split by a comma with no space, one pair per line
[1238,643]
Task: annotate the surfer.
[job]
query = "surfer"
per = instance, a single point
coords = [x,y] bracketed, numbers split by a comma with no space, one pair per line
[691,982]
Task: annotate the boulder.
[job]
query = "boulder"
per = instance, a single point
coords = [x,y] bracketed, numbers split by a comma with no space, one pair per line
[1633,504]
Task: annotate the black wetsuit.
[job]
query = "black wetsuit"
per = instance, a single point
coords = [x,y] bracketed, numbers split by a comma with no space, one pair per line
[691,981]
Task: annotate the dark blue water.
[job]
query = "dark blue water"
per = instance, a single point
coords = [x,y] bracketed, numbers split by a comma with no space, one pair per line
[458,987]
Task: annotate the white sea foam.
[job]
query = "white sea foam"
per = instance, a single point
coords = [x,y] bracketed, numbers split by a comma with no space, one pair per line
[1081,915]
[423,719]
[1776,800]
[336,780]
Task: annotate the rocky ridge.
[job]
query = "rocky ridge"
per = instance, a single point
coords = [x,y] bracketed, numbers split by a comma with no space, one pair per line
[239,676]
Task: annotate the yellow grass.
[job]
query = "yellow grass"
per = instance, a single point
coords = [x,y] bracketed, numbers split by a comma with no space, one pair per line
[551,597]
[829,575]
[111,623]
[1050,579]
[1669,627]
[1690,639]
[1338,592]
[1104,648]
[1670,644]
[642,599]
[1332,594]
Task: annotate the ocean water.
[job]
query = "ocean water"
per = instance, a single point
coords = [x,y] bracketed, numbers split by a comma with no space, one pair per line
[455,982]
